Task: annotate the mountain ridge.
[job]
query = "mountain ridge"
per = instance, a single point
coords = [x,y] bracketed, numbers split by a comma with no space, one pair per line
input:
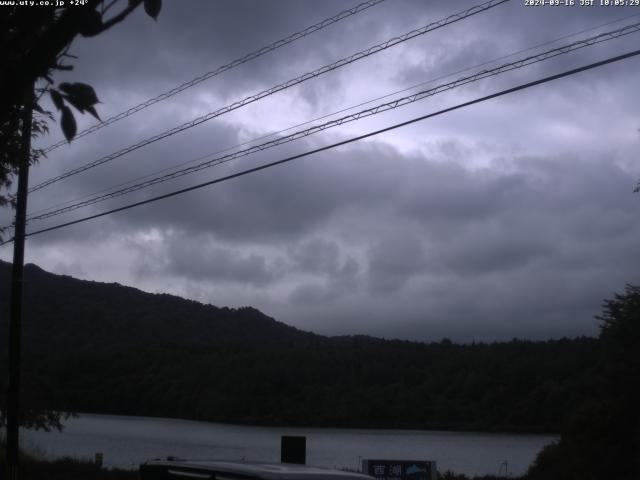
[63,313]
[106,348]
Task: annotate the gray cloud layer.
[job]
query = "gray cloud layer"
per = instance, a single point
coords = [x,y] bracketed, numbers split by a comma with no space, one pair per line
[511,218]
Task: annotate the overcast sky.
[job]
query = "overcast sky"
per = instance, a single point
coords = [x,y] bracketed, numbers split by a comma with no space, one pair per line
[510,218]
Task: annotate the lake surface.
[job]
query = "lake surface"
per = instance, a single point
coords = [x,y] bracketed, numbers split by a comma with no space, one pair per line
[128,441]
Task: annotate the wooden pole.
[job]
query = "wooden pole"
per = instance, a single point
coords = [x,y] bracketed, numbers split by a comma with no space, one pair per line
[15,309]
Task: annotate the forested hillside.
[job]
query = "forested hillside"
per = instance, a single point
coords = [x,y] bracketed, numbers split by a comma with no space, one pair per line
[106,348]
[511,386]
[64,314]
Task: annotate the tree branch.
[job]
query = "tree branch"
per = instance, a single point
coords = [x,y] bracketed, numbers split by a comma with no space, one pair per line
[118,18]
[106,9]
[43,55]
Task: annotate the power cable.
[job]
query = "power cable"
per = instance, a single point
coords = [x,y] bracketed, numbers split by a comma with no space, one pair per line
[290,83]
[322,117]
[237,62]
[343,142]
[626,30]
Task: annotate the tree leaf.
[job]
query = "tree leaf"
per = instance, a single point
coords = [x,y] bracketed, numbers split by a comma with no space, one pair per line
[153,7]
[68,124]
[82,93]
[74,101]
[81,96]
[56,98]
[93,112]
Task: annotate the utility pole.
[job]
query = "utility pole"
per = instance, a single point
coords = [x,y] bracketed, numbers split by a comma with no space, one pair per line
[17,273]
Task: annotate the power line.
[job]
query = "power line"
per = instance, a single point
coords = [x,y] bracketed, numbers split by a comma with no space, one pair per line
[235,63]
[322,117]
[343,142]
[626,30]
[290,83]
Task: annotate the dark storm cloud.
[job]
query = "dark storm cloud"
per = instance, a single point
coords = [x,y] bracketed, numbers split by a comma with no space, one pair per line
[274,203]
[149,57]
[330,287]
[544,249]
[316,256]
[513,218]
[519,242]
[550,221]
[394,260]
[183,35]
[461,47]
[198,258]
[451,192]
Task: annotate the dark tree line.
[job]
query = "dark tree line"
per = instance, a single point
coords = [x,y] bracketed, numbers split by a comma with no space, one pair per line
[107,348]
[513,386]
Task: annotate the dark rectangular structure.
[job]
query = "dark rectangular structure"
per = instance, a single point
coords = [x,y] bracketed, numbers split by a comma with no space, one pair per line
[293,449]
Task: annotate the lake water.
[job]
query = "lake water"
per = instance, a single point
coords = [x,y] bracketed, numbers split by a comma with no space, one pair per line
[128,441]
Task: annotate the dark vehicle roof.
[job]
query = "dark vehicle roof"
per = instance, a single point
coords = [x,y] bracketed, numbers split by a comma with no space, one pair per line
[241,470]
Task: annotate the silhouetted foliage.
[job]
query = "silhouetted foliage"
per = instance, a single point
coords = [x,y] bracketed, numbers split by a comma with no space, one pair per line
[34,43]
[70,469]
[602,438]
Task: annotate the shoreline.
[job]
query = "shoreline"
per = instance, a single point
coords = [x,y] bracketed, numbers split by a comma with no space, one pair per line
[382,427]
